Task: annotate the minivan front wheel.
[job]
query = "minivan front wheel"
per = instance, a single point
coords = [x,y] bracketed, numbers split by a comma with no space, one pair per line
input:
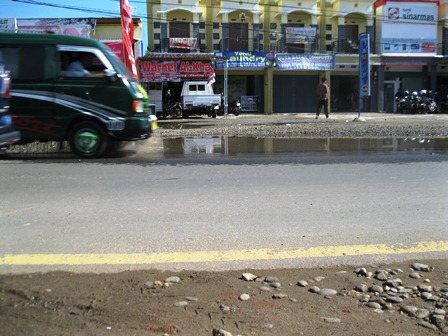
[88,140]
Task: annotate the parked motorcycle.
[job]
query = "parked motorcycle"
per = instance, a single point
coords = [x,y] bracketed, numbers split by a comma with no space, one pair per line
[233,108]
[173,110]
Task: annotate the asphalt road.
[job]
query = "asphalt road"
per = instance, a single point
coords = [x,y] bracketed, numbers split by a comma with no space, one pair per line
[228,213]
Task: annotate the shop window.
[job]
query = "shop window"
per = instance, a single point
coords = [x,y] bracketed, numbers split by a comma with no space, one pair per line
[157,36]
[216,36]
[156,24]
[75,63]
[215,25]
[202,25]
[328,37]
[328,27]
[21,66]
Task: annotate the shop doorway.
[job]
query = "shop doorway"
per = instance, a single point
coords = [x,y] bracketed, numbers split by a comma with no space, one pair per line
[390,88]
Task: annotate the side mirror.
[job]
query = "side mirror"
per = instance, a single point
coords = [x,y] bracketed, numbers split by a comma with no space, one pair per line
[111,74]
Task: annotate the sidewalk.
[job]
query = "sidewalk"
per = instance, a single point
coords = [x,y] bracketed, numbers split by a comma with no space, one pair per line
[292,118]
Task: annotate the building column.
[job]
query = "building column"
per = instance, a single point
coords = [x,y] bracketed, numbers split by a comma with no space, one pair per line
[322,25]
[209,26]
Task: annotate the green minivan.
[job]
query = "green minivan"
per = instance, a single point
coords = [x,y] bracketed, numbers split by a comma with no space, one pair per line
[73,89]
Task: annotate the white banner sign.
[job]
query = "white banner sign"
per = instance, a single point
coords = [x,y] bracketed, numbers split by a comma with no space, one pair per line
[8,24]
[409,28]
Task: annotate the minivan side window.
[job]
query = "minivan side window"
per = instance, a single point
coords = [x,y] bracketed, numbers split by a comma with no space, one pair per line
[25,62]
[80,64]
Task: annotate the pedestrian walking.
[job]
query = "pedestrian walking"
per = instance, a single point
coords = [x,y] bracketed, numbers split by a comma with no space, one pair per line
[323,91]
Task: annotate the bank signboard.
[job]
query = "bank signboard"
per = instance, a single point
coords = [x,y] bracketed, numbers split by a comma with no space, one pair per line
[408,27]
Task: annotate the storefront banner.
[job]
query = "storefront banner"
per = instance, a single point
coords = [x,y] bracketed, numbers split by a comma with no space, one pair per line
[241,59]
[184,42]
[8,24]
[73,27]
[364,65]
[305,62]
[300,35]
[409,27]
[164,70]
[127,30]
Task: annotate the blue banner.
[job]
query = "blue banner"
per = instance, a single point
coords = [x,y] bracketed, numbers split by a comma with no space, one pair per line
[304,62]
[364,65]
[242,59]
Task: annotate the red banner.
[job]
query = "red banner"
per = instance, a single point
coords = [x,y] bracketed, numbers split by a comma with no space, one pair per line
[127,29]
[159,71]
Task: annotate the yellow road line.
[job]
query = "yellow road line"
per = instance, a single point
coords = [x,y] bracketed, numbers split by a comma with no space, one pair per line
[225,255]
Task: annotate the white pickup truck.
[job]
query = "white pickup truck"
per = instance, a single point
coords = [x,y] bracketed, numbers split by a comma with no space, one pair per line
[198,98]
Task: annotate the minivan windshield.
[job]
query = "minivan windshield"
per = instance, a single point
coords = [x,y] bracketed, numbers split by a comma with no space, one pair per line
[119,66]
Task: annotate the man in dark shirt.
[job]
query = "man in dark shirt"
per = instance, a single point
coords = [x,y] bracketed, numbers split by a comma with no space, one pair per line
[322,97]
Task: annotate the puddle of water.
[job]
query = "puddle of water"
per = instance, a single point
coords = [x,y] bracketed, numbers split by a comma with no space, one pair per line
[234,145]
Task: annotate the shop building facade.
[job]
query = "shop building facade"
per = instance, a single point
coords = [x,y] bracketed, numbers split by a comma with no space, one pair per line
[312,29]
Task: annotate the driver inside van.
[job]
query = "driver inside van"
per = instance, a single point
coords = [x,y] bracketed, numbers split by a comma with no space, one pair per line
[77,68]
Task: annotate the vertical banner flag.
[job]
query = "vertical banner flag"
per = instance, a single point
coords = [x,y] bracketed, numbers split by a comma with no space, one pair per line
[127,30]
[364,65]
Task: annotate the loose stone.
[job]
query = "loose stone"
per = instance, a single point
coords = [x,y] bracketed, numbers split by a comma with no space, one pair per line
[361,288]
[275,285]
[415,275]
[271,279]
[420,267]
[421,313]
[424,288]
[394,299]
[244,297]
[374,305]
[302,283]
[181,304]
[319,278]
[328,292]
[279,296]
[173,279]
[220,332]
[331,319]
[149,284]
[249,276]
[314,289]
[376,289]
[382,276]
[224,308]
[426,296]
